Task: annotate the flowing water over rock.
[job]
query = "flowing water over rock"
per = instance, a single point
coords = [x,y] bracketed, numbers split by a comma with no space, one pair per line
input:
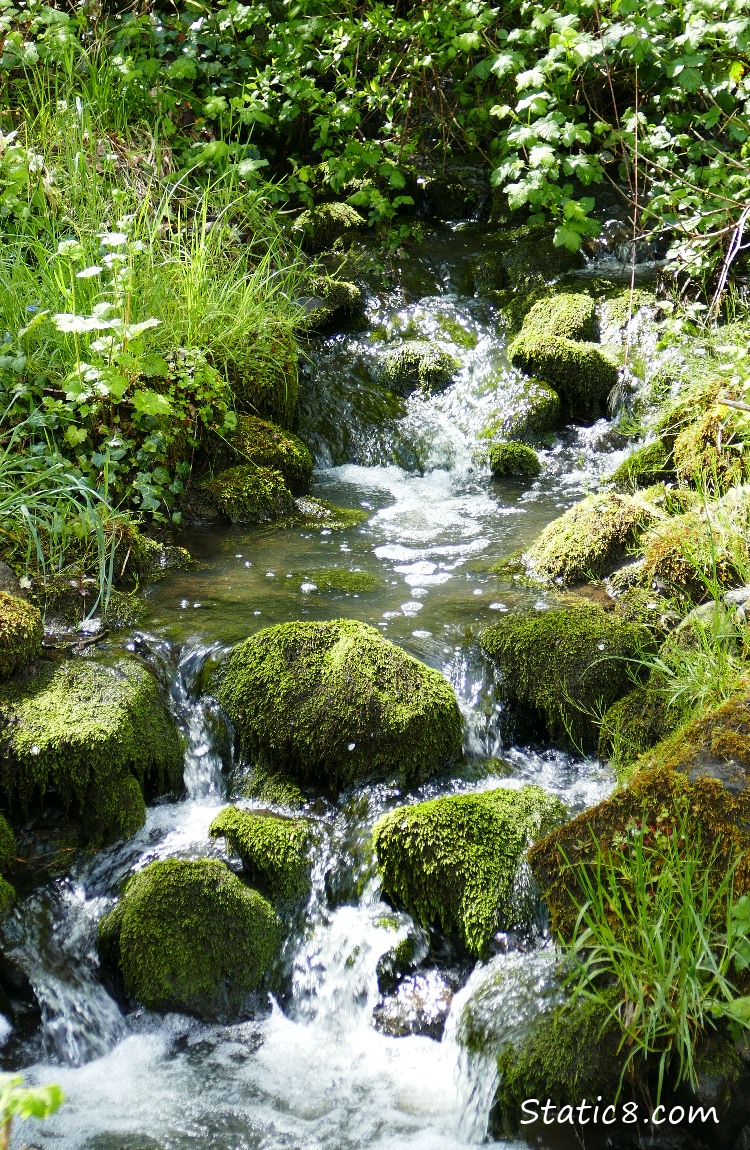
[312,1072]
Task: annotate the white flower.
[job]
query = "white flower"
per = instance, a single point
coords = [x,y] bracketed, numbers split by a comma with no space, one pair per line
[90,272]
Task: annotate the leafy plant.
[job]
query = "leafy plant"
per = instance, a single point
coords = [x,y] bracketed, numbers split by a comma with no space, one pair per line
[18,1101]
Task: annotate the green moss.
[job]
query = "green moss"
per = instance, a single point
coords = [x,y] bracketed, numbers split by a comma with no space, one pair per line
[191,937]
[8,850]
[7,897]
[452,862]
[321,515]
[590,539]
[583,373]
[320,227]
[400,960]
[274,849]
[334,703]
[645,466]
[336,579]
[114,810]
[273,787]
[21,633]
[568,315]
[146,560]
[124,612]
[564,668]
[716,743]
[530,410]
[265,380]
[418,365]
[249,494]
[331,301]
[523,259]
[631,726]
[707,454]
[257,442]
[80,726]
[570,1055]
[514,459]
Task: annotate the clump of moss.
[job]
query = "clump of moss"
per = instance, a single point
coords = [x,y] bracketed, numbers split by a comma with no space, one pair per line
[514,459]
[124,612]
[21,633]
[249,494]
[524,259]
[330,301]
[190,936]
[146,560]
[631,726]
[336,579]
[115,809]
[273,787]
[590,539]
[564,668]
[647,465]
[530,410]
[7,897]
[707,455]
[273,849]
[718,821]
[8,848]
[418,365]
[257,442]
[318,513]
[569,315]
[583,373]
[83,727]
[265,379]
[320,227]
[335,702]
[569,1055]
[452,862]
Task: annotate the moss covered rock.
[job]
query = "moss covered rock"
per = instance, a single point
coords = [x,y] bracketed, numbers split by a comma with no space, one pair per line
[273,787]
[321,515]
[583,373]
[715,744]
[514,459]
[7,897]
[320,227]
[570,315]
[273,849]
[334,702]
[337,579]
[418,366]
[82,728]
[523,259]
[330,301]
[190,936]
[249,494]
[264,378]
[707,454]
[590,539]
[262,444]
[633,725]
[563,668]
[453,862]
[21,633]
[647,465]
[530,410]
[569,1055]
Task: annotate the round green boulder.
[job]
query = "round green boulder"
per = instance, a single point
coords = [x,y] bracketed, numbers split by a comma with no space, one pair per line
[418,365]
[514,460]
[332,703]
[21,633]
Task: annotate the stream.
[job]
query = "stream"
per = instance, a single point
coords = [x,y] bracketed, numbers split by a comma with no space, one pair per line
[311,1071]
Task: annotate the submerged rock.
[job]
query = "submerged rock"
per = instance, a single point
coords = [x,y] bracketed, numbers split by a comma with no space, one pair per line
[336,579]
[95,732]
[333,703]
[320,227]
[21,633]
[590,539]
[255,441]
[418,365]
[453,862]
[330,301]
[190,936]
[419,1005]
[273,848]
[514,459]
[563,668]
[249,494]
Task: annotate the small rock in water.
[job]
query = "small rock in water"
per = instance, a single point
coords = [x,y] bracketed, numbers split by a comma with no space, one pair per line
[420,1005]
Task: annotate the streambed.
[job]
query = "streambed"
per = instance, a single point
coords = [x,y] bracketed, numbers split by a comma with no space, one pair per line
[313,1072]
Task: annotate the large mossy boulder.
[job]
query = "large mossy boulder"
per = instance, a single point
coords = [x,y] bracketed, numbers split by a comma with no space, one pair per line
[529,411]
[320,227]
[563,668]
[21,633]
[647,465]
[514,460]
[249,494]
[590,539]
[632,726]
[417,365]
[190,936]
[453,862]
[95,733]
[259,443]
[332,703]
[274,849]
[570,315]
[523,259]
[717,824]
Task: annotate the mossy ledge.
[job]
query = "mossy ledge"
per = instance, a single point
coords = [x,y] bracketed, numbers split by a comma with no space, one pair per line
[563,668]
[334,703]
[21,634]
[255,441]
[190,936]
[452,862]
[249,494]
[273,849]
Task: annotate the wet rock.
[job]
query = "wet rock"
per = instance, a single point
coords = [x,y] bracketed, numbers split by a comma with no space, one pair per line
[583,373]
[318,513]
[530,410]
[330,301]
[420,1005]
[333,703]
[21,633]
[562,667]
[190,936]
[274,849]
[96,733]
[418,366]
[633,725]
[262,444]
[124,612]
[402,958]
[457,192]
[249,494]
[9,581]
[514,459]
[524,259]
[320,227]
[453,862]
[591,539]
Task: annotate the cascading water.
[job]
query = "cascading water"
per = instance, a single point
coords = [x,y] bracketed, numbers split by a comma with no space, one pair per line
[321,1068]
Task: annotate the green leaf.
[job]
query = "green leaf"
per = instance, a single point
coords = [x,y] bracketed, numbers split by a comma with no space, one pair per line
[151,403]
[567,237]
